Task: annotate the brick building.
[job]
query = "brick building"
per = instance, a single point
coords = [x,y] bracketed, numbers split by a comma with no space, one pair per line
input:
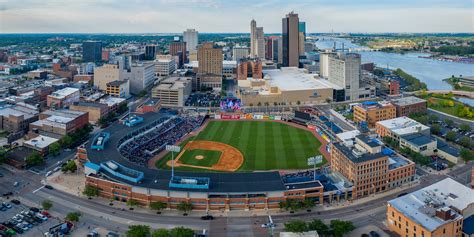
[249,68]
[96,111]
[409,105]
[372,112]
[57,123]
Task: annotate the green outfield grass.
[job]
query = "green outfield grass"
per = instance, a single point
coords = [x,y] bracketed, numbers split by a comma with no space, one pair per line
[265,145]
[210,157]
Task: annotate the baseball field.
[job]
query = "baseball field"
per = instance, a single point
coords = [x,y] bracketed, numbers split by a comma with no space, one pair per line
[245,146]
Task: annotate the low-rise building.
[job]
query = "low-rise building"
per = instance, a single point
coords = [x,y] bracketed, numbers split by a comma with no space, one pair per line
[151,105]
[119,88]
[372,112]
[96,111]
[397,127]
[173,92]
[16,118]
[40,143]
[106,74]
[409,105]
[436,210]
[419,143]
[37,74]
[113,103]
[57,123]
[63,98]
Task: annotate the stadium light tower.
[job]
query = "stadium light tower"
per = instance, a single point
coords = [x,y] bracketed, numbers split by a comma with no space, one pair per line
[173,149]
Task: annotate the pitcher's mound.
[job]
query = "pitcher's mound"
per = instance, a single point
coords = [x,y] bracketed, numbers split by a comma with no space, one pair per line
[199,157]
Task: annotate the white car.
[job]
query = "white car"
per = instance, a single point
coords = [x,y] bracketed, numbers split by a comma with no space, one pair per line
[41,216]
[57,169]
[49,173]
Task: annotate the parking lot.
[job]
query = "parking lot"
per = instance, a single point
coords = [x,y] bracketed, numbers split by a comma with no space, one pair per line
[23,220]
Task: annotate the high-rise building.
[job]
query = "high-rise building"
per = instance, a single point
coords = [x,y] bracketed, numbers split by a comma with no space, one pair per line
[260,43]
[178,49]
[344,71]
[191,37]
[290,38]
[269,50]
[324,64]
[257,40]
[140,75]
[150,52]
[302,36]
[105,74]
[276,48]
[210,60]
[165,65]
[91,51]
[253,32]
[239,52]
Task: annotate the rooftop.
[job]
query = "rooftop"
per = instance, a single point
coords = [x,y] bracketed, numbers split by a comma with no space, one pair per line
[292,78]
[41,141]
[111,101]
[408,101]
[371,105]
[116,83]
[395,162]
[441,145]
[357,156]
[91,104]
[60,94]
[403,125]
[418,139]
[16,110]
[173,83]
[420,205]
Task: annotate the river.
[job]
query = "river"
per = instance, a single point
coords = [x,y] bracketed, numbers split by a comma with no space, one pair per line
[430,71]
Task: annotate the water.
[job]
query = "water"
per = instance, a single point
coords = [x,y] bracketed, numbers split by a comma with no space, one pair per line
[430,71]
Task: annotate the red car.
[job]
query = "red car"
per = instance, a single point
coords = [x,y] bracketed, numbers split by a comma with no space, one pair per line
[45,213]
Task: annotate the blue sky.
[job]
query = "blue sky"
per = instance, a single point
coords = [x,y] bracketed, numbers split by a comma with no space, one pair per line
[170,16]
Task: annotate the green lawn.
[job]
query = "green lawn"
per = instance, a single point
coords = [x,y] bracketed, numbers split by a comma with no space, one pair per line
[210,157]
[265,145]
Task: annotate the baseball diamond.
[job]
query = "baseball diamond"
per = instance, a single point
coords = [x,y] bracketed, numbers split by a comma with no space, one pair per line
[265,145]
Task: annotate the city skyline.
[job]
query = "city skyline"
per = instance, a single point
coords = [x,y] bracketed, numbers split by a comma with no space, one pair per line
[144,16]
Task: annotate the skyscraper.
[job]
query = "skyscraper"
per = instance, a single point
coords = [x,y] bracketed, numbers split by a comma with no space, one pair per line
[210,66]
[191,37]
[302,36]
[290,38]
[239,52]
[253,32]
[260,43]
[92,51]
[150,51]
[178,49]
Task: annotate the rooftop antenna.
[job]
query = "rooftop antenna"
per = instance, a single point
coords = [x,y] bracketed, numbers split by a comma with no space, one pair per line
[343,47]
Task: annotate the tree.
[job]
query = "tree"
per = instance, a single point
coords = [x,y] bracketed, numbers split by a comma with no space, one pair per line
[435,129]
[296,226]
[132,203]
[34,159]
[70,166]
[138,231]
[185,207]
[66,141]
[465,127]
[449,122]
[90,191]
[451,136]
[181,232]
[160,233]
[465,142]
[54,149]
[432,118]
[319,226]
[340,228]
[466,154]
[308,204]
[73,216]
[158,206]
[47,204]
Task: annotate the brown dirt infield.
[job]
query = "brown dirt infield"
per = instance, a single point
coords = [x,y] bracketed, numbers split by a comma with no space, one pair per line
[230,160]
[199,157]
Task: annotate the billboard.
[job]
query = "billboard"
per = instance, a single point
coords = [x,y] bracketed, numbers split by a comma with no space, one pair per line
[230,104]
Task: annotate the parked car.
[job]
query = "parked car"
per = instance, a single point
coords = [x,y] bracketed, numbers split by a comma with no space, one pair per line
[374,234]
[7,205]
[16,202]
[49,187]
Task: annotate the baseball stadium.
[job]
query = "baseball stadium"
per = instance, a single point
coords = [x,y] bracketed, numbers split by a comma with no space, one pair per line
[216,161]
